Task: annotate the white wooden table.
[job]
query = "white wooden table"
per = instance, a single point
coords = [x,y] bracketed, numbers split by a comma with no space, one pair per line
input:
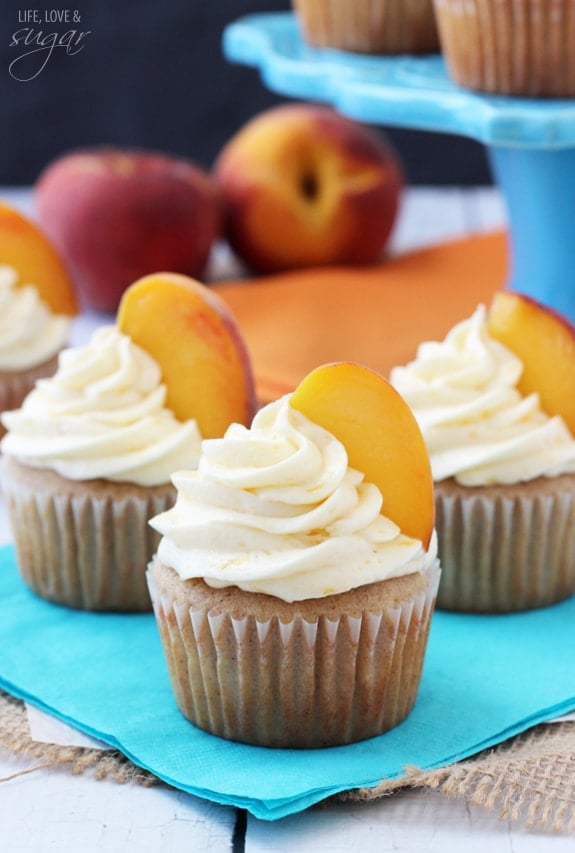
[45,810]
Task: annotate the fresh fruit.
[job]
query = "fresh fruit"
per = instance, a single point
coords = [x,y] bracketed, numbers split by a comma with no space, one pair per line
[304,186]
[117,214]
[382,438]
[25,248]
[544,341]
[196,341]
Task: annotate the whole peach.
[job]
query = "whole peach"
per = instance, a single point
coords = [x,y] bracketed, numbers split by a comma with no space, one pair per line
[118,214]
[303,186]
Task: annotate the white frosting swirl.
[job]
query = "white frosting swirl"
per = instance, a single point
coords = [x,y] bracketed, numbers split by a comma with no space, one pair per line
[477,427]
[276,509]
[102,414]
[30,333]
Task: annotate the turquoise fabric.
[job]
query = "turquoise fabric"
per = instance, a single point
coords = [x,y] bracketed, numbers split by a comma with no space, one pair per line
[485,678]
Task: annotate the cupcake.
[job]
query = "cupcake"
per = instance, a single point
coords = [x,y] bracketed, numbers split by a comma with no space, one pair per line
[292,612]
[503,465]
[89,454]
[369,26]
[30,338]
[524,48]
[37,304]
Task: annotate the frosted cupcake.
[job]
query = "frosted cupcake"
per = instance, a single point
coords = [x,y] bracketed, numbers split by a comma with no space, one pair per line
[31,336]
[369,26]
[87,461]
[292,612]
[37,305]
[88,456]
[503,470]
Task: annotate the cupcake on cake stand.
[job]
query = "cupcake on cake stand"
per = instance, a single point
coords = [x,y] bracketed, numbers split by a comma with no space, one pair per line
[530,142]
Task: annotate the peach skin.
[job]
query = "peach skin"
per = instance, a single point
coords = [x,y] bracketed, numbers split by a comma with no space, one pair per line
[304,186]
[117,214]
[196,341]
[545,342]
[382,438]
[24,247]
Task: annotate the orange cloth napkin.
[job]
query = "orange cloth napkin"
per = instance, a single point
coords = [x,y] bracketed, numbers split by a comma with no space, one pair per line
[374,315]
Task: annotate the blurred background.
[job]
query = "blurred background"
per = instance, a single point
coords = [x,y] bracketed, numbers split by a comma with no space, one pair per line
[151,74]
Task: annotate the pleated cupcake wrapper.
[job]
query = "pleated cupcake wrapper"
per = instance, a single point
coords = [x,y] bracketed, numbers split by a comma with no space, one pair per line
[369,26]
[505,554]
[524,47]
[297,684]
[87,553]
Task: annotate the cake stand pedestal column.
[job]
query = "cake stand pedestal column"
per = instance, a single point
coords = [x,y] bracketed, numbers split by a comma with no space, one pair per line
[539,191]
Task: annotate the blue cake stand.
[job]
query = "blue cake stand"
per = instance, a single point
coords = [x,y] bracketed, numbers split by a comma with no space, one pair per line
[530,142]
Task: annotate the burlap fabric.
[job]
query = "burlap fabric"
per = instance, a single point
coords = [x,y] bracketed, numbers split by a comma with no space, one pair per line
[529,779]
[104,764]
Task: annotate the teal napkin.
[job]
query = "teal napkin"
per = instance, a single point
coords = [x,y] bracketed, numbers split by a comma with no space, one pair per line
[485,678]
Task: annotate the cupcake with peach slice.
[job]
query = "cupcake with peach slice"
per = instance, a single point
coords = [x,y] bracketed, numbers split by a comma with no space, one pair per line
[89,455]
[37,302]
[494,402]
[296,575]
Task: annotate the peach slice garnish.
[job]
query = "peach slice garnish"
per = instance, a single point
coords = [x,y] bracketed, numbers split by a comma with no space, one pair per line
[196,341]
[24,247]
[382,438]
[545,343]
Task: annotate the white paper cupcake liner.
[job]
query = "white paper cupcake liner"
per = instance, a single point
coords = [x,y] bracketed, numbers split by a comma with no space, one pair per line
[503,46]
[87,551]
[507,553]
[369,26]
[298,684]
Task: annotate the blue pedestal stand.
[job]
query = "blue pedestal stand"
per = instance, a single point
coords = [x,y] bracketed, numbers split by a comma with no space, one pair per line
[531,142]
[539,188]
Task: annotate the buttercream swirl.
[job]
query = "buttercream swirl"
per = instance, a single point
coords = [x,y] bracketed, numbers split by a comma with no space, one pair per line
[30,333]
[276,509]
[102,414]
[477,426]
